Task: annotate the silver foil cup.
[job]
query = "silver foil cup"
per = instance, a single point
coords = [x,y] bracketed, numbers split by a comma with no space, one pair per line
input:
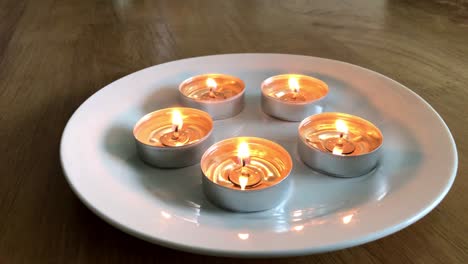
[247,200]
[192,89]
[173,157]
[313,91]
[267,194]
[368,142]
[155,154]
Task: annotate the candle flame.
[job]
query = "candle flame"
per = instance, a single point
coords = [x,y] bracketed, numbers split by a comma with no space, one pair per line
[177,120]
[243,153]
[341,126]
[243,180]
[293,83]
[211,83]
[343,129]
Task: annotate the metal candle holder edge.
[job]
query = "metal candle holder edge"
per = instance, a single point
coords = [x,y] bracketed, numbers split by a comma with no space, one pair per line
[248,200]
[338,165]
[217,109]
[291,111]
[174,157]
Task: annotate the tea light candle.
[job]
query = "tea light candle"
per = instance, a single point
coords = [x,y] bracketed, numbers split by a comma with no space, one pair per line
[339,144]
[246,174]
[220,95]
[173,137]
[292,97]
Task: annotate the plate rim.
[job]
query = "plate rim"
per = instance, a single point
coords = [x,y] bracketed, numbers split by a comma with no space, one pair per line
[199,249]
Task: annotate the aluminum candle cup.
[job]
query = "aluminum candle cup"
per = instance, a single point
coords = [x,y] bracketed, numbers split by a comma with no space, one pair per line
[339,144]
[173,137]
[293,97]
[246,174]
[220,95]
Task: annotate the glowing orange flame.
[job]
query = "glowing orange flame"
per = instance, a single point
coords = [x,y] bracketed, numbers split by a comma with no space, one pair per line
[211,83]
[343,129]
[293,83]
[177,120]
[243,153]
[341,126]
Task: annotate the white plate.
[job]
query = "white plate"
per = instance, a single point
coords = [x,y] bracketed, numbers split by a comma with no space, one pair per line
[167,207]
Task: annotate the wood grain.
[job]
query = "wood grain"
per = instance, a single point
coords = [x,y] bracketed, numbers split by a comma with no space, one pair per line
[55,54]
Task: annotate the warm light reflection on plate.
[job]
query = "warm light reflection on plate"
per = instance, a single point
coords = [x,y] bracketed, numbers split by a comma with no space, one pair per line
[243,236]
[166,215]
[297,213]
[298,228]
[347,219]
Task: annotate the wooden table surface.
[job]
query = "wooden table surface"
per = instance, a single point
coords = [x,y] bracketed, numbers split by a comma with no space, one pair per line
[55,54]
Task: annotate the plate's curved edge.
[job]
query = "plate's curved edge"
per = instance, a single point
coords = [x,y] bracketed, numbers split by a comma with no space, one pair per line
[266,254]
[260,254]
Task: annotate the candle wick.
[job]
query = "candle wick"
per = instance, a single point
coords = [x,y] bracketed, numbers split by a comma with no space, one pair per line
[340,140]
[244,172]
[211,93]
[294,95]
[175,134]
[243,169]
